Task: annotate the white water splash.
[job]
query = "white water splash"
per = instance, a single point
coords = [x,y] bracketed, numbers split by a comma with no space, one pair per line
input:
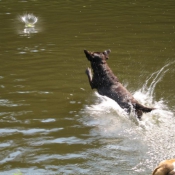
[104,107]
[145,96]
[30,21]
[150,84]
[153,136]
[109,120]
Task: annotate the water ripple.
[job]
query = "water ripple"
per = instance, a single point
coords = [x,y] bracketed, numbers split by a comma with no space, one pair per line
[32,131]
[62,140]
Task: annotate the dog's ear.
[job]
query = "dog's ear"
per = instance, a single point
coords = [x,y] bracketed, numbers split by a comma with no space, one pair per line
[106,53]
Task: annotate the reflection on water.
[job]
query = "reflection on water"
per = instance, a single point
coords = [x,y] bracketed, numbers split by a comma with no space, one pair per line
[30,30]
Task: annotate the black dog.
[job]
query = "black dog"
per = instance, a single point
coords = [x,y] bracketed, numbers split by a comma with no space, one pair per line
[108,84]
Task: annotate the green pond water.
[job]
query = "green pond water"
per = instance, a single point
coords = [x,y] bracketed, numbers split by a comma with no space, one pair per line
[51,122]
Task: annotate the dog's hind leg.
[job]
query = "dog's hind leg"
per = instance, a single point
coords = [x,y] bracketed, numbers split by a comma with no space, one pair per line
[89,74]
[139,113]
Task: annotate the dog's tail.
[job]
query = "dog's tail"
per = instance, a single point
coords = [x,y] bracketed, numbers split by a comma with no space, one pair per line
[143,108]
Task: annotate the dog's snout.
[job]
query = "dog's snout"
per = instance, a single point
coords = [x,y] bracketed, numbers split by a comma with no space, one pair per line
[86,52]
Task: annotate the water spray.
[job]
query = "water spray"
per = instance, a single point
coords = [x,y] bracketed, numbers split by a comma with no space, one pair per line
[29,20]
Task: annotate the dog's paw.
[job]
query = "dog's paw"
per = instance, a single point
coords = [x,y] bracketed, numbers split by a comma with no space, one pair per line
[88,71]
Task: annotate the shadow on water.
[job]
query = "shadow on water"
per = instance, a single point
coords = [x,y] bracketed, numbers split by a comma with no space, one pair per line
[139,144]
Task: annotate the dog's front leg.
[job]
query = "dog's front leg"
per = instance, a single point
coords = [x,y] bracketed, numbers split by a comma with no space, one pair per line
[89,74]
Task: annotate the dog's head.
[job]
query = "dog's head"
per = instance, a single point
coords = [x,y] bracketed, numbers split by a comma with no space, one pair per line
[97,57]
